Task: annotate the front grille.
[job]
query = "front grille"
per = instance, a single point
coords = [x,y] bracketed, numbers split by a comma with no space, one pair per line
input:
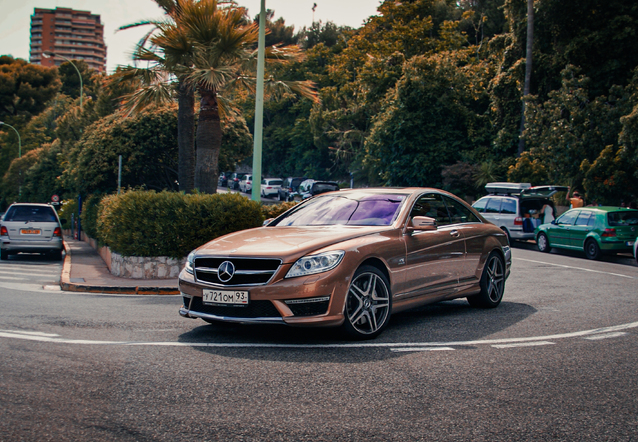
[248,271]
[255,309]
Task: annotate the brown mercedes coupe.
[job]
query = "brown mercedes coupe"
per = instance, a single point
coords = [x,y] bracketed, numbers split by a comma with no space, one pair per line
[349,258]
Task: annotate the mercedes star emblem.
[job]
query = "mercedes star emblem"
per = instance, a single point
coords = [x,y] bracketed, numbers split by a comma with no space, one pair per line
[225,271]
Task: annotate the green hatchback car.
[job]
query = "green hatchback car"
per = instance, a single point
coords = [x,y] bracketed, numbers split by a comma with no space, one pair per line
[594,230]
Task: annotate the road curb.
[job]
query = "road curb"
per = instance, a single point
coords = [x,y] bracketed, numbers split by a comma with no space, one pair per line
[68,286]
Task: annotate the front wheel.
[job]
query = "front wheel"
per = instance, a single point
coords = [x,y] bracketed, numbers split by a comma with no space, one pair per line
[592,250]
[368,303]
[542,242]
[492,283]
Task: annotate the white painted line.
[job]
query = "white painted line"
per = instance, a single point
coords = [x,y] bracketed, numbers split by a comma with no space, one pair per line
[55,288]
[2,278]
[532,340]
[403,349]
[524,344]
[30,272]
[576,268]
[606,336]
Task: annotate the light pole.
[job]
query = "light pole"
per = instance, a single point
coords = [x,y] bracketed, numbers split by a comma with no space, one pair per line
[2,123]
[259,105]
[48,54]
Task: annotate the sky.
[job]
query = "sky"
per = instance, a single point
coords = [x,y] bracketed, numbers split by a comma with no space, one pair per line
[15,19]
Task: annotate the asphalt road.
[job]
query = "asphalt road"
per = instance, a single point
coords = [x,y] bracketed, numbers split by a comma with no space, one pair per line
[556,361]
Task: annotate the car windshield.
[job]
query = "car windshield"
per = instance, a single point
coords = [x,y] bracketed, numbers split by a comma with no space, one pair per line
[30,213]
[624,218]
[367,210]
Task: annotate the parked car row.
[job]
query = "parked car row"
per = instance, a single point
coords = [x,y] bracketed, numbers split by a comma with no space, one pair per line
[289,189]
[524,212]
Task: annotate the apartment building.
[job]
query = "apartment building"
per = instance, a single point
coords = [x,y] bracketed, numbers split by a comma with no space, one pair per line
[76,35]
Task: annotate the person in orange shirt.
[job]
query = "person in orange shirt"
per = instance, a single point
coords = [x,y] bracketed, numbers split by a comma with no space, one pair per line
[576,201]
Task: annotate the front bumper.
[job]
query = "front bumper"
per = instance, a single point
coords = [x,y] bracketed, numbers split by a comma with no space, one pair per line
[315,300]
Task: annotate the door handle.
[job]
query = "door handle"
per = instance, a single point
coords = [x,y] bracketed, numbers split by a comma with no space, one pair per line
[455,233]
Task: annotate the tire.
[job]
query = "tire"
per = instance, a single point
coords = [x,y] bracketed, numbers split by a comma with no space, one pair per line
[368,303]
[492,283]
[4,255]
[279,196]
[592,250]
[542,242]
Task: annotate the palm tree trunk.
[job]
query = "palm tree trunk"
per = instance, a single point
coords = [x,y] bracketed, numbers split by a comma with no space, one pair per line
[186,137]
[209,142]
[528,69]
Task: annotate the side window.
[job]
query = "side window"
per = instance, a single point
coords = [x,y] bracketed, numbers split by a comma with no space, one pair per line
[432,205]
[480,205]
[567,218]
[583,218]
[458,212]
[493,205]
[508,206]
[592,220]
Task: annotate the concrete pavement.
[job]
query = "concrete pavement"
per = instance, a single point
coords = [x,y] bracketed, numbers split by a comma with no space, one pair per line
[85,271]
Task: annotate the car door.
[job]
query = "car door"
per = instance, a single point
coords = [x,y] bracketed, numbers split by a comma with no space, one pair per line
[492,211]
[558,232]
[583,224]
[473,234]
[433,257]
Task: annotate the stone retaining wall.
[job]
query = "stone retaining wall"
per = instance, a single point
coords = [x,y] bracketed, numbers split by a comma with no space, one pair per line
[142,267]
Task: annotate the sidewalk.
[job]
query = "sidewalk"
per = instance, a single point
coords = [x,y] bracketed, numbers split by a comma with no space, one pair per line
[85,271]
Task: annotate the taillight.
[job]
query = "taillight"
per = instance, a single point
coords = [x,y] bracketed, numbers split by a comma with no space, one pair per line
[57,232]
[518,221]
[3,231]
[608,233]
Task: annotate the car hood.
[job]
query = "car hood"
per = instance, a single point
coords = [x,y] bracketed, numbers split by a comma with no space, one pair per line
[286,243]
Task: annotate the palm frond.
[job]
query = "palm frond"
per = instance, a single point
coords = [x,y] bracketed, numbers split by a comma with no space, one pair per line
[150,95]
[278,88]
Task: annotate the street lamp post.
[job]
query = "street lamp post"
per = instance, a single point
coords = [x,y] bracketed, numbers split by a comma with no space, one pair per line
[2,123]
[53,54]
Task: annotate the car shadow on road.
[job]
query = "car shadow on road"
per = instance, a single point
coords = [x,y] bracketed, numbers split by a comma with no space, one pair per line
[447,322]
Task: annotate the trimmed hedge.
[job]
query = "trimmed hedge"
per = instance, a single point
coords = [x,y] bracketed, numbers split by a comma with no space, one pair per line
[148,223]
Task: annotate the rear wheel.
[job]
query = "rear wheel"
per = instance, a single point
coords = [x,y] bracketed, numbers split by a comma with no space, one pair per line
[368,303]
[592,250]
[492,283]
[542,242]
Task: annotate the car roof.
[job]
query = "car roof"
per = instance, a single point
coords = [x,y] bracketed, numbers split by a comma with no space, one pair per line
[606,209]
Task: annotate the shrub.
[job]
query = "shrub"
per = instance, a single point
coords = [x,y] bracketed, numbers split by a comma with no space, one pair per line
[274,210]
[147,223]
[66,209]
[90,208]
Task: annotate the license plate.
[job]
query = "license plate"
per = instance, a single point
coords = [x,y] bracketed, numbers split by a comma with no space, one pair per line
[225,297]
[630,243]
[30,231]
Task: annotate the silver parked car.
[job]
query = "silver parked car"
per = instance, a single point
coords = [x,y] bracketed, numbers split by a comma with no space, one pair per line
[31,228]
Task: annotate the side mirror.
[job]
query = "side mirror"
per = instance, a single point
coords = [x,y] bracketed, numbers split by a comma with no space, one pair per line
[266,222]
[554,221]
[421,223]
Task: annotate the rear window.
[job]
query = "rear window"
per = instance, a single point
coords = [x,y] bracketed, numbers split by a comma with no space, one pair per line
[30,213]
[624,218]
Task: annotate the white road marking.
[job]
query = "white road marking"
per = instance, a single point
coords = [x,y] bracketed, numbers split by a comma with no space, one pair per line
[532,340]
[576,268]
[524,344]
[606,336]
[421,349]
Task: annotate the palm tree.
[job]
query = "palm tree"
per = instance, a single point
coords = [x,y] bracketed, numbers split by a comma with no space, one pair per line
[211,48]
[155,88]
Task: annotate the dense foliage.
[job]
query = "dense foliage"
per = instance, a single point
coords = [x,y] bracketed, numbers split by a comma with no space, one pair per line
[147,223]
[427,92]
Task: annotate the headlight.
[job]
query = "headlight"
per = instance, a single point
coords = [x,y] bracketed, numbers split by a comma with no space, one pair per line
[190,263]
[309,265]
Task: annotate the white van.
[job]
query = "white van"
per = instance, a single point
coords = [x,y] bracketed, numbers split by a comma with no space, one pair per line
[515,207]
